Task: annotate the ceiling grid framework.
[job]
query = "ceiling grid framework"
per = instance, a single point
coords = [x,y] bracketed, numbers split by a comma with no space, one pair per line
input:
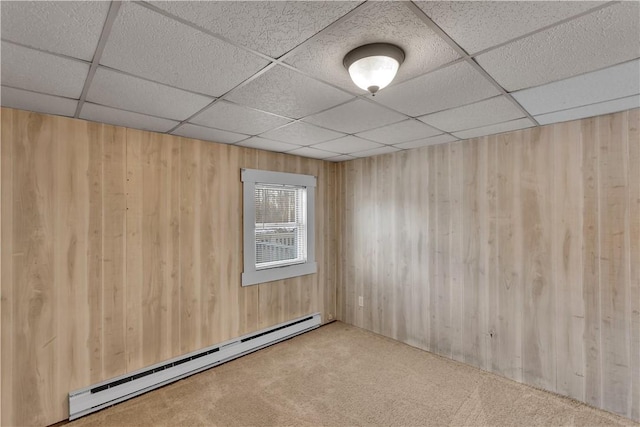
[269,75]
[114,7]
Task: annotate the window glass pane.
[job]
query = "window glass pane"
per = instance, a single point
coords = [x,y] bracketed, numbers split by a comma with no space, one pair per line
[280,225]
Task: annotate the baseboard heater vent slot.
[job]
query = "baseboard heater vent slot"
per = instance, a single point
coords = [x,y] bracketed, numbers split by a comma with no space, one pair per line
[107,393]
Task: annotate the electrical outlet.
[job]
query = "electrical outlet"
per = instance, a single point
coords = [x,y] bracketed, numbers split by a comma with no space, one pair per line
[361,301]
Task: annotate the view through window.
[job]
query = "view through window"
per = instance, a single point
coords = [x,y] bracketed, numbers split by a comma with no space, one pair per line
[280,227]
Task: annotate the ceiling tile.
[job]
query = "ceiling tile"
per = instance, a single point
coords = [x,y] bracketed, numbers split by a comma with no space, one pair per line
[455,85]
[312,153]
[31,101]
[288,93]
[270,27]
[399,132]
[150,45]
[340,158]
[606,107]
[71,28]
[597,40]
[347,144]
[267,144]
[102,114]
[356,116]
[235,118]
[302,133]
[495,129]
[25,69]
[130,93]
[208,134]
[477,25]
[610,83]
[483,113]
[376,151]
[439,139]
[389,22]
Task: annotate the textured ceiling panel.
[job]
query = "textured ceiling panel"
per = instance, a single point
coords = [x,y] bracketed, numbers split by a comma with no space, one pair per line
[340,158]
[288,93]
[208,134]
[376,151]
[68,27]
[477,25]
[30,101]
[235,118]
[456,85]
[483,113]
[495,129]
[272,28]
[130,93]
[610,83]
[102,114]
[161,58]
[390,22]
[42,72]
[590,110]
[267,144]
[440,139]
[347,145]
[302,134]
[597,40]
[399,132]
[312,153]
[150,45]
[356,116]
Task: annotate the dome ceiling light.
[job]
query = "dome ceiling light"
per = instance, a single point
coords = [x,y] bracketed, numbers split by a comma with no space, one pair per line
[373,66]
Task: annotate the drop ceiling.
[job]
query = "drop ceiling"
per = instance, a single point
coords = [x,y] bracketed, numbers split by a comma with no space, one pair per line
[269,74]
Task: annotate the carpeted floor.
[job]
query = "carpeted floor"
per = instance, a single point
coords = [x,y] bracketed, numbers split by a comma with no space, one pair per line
[340,375]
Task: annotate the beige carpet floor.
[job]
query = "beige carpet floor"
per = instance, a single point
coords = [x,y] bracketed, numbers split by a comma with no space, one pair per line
[340,375]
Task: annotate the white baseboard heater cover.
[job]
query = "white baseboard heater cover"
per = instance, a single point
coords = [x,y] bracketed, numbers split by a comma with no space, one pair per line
[107,393]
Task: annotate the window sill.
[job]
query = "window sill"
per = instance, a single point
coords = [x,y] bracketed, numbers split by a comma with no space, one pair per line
[278,273]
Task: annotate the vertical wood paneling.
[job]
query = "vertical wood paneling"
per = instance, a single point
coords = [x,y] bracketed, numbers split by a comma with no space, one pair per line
[94,255]
[7,296]
[634,261]
[122,248]
[211,247]
[528,253]
[491,257]
[614,261]
[443,250]
[190,284]
[475,274]
[456,256]
[34,301]
[364,250]
[527,247]
[591,262]
[420,264]
[134,264]
[172,273]
[510,256]
[566,255]
[432,245]
[538,333]
[113,249]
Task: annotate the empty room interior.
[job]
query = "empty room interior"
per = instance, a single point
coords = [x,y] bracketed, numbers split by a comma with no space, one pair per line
[320,213]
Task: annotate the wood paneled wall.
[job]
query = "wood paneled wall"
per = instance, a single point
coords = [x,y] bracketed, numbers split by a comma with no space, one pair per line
[122,248]
[517,253]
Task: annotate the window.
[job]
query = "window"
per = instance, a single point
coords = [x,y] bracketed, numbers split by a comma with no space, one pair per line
[278,226]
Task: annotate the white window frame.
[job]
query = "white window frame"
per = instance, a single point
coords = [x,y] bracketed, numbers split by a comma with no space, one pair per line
[251,275]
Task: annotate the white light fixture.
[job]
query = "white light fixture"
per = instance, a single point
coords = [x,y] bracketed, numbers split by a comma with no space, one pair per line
[373,66]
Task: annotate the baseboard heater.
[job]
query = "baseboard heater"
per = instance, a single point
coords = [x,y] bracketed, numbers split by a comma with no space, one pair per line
[107,393]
